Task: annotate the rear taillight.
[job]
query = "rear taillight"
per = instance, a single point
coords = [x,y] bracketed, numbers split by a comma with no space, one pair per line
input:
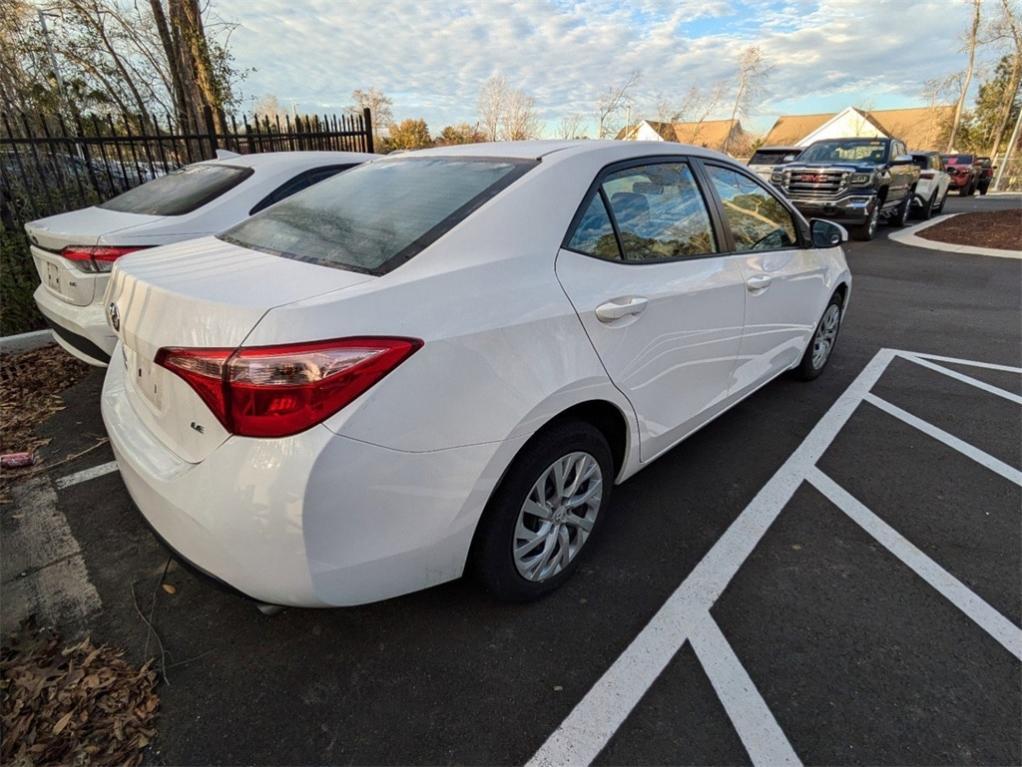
[96,258]
[276,391]
[926,174]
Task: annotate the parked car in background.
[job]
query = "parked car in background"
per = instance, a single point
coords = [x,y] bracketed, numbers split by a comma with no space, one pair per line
[984,174]
[445,360]
[765,159]
[963,171]
[933,184]
[74,252]
[852,180]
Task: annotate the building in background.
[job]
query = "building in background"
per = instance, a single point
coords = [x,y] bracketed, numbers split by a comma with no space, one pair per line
[923,128]
[712,134]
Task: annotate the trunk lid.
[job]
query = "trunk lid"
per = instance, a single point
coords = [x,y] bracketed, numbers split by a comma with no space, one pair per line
[88,226]
[200,293]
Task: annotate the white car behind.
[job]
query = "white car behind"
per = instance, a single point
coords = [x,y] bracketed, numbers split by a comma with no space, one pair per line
[932,187]
[74,252]
[445,360]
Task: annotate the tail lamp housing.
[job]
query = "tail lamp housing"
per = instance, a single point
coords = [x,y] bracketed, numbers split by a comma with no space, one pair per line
[97,258]
[277,391]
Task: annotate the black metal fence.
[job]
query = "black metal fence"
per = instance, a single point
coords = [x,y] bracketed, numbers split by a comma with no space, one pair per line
[49,164]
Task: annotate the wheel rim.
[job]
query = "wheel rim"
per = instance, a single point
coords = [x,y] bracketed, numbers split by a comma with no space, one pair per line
[557,517]
[873,221]
[905,210]
[826,334]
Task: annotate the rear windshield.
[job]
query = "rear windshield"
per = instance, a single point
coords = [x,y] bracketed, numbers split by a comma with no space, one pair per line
[375,217]
[179,192]
[771,156]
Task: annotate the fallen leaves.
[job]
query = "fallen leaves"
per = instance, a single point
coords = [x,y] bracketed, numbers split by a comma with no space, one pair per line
[79,704]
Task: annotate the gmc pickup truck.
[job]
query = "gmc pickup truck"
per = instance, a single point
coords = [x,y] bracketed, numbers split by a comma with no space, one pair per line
[854,181]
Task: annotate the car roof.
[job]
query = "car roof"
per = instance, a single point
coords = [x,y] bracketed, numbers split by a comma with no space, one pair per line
[780,148]
[542,149]
[272,160]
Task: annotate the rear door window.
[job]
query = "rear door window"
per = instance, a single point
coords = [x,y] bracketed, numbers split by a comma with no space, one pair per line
[660,212]
[180,191]
[377,216]
[594,233]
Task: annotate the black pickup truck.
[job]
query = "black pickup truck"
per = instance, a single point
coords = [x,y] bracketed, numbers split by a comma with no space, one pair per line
[854,181]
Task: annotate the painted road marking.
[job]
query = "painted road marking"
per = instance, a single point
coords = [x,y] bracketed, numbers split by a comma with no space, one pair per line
[685,615]
[989,388]
[963,447]
[86,474]
[952,589]
[762,737]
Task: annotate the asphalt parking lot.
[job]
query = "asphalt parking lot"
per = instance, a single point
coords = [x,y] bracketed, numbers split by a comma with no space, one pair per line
[827,574]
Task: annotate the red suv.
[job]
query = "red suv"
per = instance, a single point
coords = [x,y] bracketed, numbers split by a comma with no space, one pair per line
[963,171]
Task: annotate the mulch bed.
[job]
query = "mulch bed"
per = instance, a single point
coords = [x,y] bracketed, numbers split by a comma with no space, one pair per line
[75,705]
[1001,229]
[30,386]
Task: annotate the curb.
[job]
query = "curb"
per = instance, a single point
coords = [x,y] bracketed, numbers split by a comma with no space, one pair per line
[908,237]
[23,342]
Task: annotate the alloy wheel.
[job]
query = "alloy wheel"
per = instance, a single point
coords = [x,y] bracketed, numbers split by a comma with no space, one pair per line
[826,335]
[557,516]
[873,218]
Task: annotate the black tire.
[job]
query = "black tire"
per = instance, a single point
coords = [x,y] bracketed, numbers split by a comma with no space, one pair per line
[983,189]
[926,212]
[492,557]
[903,211]
[810,368]
[867,231]
[943,201]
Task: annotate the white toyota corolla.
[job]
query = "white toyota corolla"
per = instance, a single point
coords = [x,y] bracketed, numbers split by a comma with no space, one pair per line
[74,252]
[445,360]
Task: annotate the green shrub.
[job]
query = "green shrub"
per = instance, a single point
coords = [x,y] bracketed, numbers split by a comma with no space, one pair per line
[18,280]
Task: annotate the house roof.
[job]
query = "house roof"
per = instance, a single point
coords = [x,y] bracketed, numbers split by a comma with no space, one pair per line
[918,127]
[788,130]
[708,133]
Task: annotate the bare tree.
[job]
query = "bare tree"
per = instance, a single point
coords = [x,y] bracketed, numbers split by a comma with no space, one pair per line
[520,119]
[1007,28]
[571,126]
[379,106]
[493,100]
[971,42]
[751,70]
[612,102]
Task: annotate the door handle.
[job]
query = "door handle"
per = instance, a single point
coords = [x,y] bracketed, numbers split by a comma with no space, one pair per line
[620,307]
[758,282]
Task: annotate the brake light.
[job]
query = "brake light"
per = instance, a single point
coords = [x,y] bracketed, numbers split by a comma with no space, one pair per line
[96,258]
[277,391]
[926,174]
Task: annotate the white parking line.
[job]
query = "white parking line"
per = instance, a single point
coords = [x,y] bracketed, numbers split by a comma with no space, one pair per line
[952,589]
[685,615]
[86,474]
[989,388]
[753,720]
[980,457]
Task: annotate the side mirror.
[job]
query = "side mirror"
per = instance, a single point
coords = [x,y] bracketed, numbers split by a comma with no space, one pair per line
[827,234]
[902,159]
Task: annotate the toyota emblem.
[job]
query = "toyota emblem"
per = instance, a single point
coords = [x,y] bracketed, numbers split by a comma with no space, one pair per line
[114,315]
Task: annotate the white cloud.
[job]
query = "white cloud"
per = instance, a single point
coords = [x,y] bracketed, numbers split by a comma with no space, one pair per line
[432,57]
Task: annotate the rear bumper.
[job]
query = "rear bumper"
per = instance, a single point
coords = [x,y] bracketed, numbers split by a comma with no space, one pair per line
[81,330]
[312,520]
[847,210]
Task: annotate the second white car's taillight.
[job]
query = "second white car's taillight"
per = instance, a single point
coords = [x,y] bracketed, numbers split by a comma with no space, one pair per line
[97,258]
[276,391]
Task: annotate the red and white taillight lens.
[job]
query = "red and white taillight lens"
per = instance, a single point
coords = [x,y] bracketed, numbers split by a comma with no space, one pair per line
[276,391]
[96,258]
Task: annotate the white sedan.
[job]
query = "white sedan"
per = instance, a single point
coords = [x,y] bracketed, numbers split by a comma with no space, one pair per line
[445,360]
[74,252]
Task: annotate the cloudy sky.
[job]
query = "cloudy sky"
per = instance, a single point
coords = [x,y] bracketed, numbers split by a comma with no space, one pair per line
[432,56]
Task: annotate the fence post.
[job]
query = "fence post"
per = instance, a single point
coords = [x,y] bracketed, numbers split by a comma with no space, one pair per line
[367,126]
[207,114]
